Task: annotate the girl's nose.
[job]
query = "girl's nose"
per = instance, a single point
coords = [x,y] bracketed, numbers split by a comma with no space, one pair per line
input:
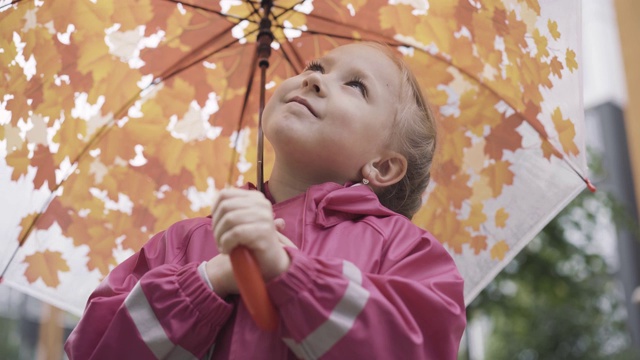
[314,83]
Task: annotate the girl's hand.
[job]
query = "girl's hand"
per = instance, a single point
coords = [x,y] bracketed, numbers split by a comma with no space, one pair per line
[221,276]
[245,217]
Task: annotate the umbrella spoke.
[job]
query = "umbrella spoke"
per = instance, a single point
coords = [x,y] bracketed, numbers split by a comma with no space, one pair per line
[296,67]
[286,10]
[171,69]
[300,62]
[379,38]
[102,131]
[374,35]
[219,13]
[9,4]
[200,59]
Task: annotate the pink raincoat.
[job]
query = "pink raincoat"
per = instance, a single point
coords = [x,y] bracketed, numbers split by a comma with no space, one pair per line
[365,284]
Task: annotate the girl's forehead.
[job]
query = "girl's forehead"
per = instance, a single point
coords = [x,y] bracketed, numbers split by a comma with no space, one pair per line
[365,60]
[354,51]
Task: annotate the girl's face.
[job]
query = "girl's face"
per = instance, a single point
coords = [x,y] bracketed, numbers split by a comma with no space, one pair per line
[336,116]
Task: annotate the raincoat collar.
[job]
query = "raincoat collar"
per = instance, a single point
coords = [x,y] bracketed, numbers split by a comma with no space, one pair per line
[334,203]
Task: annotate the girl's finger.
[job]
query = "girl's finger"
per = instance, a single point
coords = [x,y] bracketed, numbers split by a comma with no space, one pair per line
[227,200]
[248,234]
[239,217]
[280,224]
[285,241]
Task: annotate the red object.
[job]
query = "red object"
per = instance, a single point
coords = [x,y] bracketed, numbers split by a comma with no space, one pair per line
[252,288]
[590,185]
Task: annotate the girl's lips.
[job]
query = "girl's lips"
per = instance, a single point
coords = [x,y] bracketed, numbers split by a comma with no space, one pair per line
[303,102]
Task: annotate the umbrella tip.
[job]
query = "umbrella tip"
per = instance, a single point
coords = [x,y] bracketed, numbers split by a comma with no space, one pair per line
[1,279]
[590,185]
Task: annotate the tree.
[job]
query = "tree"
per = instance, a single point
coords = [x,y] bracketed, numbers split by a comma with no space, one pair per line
[558,299]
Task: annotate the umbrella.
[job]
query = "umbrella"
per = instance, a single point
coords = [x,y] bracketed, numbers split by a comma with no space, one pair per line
[120,118]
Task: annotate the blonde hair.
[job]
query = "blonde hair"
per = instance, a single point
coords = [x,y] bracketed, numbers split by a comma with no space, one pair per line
[414,137]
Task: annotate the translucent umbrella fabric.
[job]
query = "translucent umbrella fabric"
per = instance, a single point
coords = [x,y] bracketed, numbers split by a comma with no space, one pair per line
[119,118]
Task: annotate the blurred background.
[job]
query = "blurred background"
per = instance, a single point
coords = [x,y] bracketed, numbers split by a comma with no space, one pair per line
[574,292]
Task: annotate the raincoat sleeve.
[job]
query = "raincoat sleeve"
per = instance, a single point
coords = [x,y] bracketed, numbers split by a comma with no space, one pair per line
[154,305]
[412,309]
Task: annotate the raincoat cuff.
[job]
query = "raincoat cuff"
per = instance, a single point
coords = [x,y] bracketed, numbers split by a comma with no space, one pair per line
[298,278]
[200,296]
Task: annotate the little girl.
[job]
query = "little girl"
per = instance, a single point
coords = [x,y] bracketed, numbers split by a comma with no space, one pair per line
[349,274]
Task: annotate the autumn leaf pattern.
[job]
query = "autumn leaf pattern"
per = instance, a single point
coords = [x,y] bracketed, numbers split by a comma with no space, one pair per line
[130,113]
[46,266]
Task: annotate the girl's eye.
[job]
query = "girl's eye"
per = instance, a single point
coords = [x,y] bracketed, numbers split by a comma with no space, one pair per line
[357,83]
[315,66]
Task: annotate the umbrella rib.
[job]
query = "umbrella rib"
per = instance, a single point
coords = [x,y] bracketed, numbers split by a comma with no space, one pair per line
[170,69]
[286,10]
[221,14]
[387,41]
[2,8]
[293,50]
[394,42]
[104,129]
[10,4]
[288,58]
[356,28]
[202,58]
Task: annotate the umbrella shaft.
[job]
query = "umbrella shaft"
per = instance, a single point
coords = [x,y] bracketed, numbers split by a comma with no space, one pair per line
[265,38]
[260,157]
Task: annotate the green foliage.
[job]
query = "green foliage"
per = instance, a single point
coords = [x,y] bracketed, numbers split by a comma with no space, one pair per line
[9,344]
[558,299]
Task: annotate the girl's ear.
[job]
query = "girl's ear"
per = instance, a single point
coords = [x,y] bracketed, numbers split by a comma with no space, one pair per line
[385,171]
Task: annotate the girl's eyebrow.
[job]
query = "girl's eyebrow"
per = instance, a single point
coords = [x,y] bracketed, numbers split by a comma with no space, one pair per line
[329,60]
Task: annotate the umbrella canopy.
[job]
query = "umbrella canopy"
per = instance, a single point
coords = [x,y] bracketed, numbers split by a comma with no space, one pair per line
[118,119]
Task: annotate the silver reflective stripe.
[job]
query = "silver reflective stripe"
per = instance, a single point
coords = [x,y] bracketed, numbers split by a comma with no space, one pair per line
[150,329]
[202,270]
[339,322]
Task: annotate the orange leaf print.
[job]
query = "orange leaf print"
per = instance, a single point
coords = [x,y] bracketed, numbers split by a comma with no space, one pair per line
[43,160]
[541,44]
[398,18]
[501,218]
[26,224]
[556,67]
[98,234]
[356,4]
[566,132]
[19,161]
[476,217]
[12,135]
[500,22]
[533,5]
[478,243]
[504,137]
[553,29]
[448,229]
[55,212]
[499,175]
[458,190]
[548,150]
[477,112]
[499,250]
[46,266]
[572,64]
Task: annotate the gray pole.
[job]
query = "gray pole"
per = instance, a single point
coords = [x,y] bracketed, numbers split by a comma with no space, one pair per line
[619,181]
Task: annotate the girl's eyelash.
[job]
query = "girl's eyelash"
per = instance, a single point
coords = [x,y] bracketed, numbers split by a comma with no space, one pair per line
[315,66]
[361,86]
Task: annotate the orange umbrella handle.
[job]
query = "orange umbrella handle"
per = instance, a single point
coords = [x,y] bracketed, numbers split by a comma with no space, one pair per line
[252,288]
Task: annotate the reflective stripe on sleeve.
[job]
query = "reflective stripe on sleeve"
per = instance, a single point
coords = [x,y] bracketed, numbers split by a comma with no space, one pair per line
[150,328]
[339,322]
